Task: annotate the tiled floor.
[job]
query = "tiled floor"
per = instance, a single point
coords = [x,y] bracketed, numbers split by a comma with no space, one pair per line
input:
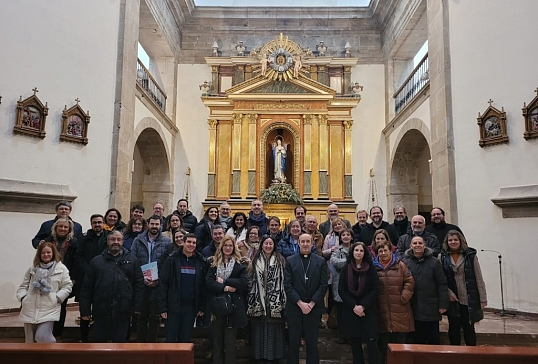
[492,323]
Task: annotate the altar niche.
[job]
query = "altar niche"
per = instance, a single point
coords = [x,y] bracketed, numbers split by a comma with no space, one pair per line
[276,163]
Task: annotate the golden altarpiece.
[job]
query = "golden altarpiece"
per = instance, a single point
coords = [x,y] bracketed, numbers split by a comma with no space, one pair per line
[281,93]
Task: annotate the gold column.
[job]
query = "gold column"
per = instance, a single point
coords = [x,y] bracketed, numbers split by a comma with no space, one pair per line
[336,168]
[236,155]
[315,157]
[224,160]
[248,72]
[212,157]
[252,153]
[307,163]
[314,72]
[323,121]
[348,174]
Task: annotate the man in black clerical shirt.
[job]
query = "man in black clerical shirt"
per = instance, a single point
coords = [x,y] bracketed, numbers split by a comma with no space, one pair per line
[305,283]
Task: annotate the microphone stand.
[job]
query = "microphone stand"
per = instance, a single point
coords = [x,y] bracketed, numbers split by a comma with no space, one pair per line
[503,312]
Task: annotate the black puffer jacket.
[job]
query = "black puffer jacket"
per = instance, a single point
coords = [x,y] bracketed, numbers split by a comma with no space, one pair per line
[107,292]
[170,282]
[430,240]
[239,280]
[89,246]
[203,235]
[431,287]
[367,233]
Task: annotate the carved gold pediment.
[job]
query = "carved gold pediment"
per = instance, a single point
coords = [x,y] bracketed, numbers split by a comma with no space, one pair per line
[277,87]
[296,86]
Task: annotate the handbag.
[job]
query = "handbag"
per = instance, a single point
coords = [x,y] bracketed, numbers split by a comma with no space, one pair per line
[221,304]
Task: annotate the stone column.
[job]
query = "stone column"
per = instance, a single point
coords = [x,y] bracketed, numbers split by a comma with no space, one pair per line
[211,173]
[346,81]
[239,74]
[322,75]
[442,134]
[214,80]
[123,137]
[348,174]
[236,155]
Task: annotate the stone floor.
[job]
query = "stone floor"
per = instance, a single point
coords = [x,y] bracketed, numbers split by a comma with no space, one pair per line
[492,323]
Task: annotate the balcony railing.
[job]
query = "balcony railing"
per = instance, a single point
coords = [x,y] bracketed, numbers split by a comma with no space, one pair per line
[412,85]
[148,83]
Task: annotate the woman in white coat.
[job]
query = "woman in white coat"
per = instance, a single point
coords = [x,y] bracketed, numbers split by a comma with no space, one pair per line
[45,286]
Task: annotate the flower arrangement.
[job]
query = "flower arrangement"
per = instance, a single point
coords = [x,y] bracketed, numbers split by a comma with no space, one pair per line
[281,193]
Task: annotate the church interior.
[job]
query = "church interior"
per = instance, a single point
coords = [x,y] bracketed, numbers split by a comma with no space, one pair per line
[420,103]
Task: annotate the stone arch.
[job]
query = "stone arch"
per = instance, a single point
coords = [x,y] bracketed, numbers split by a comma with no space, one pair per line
[410,181]
[152,180]
[263,152]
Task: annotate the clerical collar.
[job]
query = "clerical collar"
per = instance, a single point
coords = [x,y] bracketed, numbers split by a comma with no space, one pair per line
[306,255]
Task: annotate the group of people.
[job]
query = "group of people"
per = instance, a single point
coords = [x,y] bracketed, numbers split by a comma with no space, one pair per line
[387,282]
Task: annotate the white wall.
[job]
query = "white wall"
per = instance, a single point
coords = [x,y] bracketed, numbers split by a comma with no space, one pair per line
[67,49]
[192,145]
[368,144]
[492,56]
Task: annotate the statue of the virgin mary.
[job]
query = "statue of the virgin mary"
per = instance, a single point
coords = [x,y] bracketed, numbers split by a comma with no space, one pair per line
[279,159]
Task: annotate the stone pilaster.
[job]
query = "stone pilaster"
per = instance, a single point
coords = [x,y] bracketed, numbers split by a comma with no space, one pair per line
[442,132]
[123,137]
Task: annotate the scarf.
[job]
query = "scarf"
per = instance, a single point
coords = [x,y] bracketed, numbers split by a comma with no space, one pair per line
[62,246]
[259,221]
[356,278]
[42,274]
[225,270]
[266,296]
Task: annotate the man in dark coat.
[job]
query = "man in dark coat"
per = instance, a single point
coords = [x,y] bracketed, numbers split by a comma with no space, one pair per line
[305,283]
[256,217]
[439,226]
[217,235]
[362,220]
[63,209]
[112,290]
[367,232]
[149,247]
[181,290]
[401,222]
[188,220]
[418,224]
[332,213]
[430,299]
[90,245]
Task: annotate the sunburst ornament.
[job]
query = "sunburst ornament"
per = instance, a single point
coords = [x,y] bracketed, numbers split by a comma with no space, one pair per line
[280,59]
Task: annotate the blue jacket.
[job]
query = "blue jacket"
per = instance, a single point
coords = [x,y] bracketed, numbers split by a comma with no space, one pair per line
[141,252]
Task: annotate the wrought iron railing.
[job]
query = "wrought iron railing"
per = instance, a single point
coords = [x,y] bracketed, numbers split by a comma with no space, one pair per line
[148,83]
[412,85]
